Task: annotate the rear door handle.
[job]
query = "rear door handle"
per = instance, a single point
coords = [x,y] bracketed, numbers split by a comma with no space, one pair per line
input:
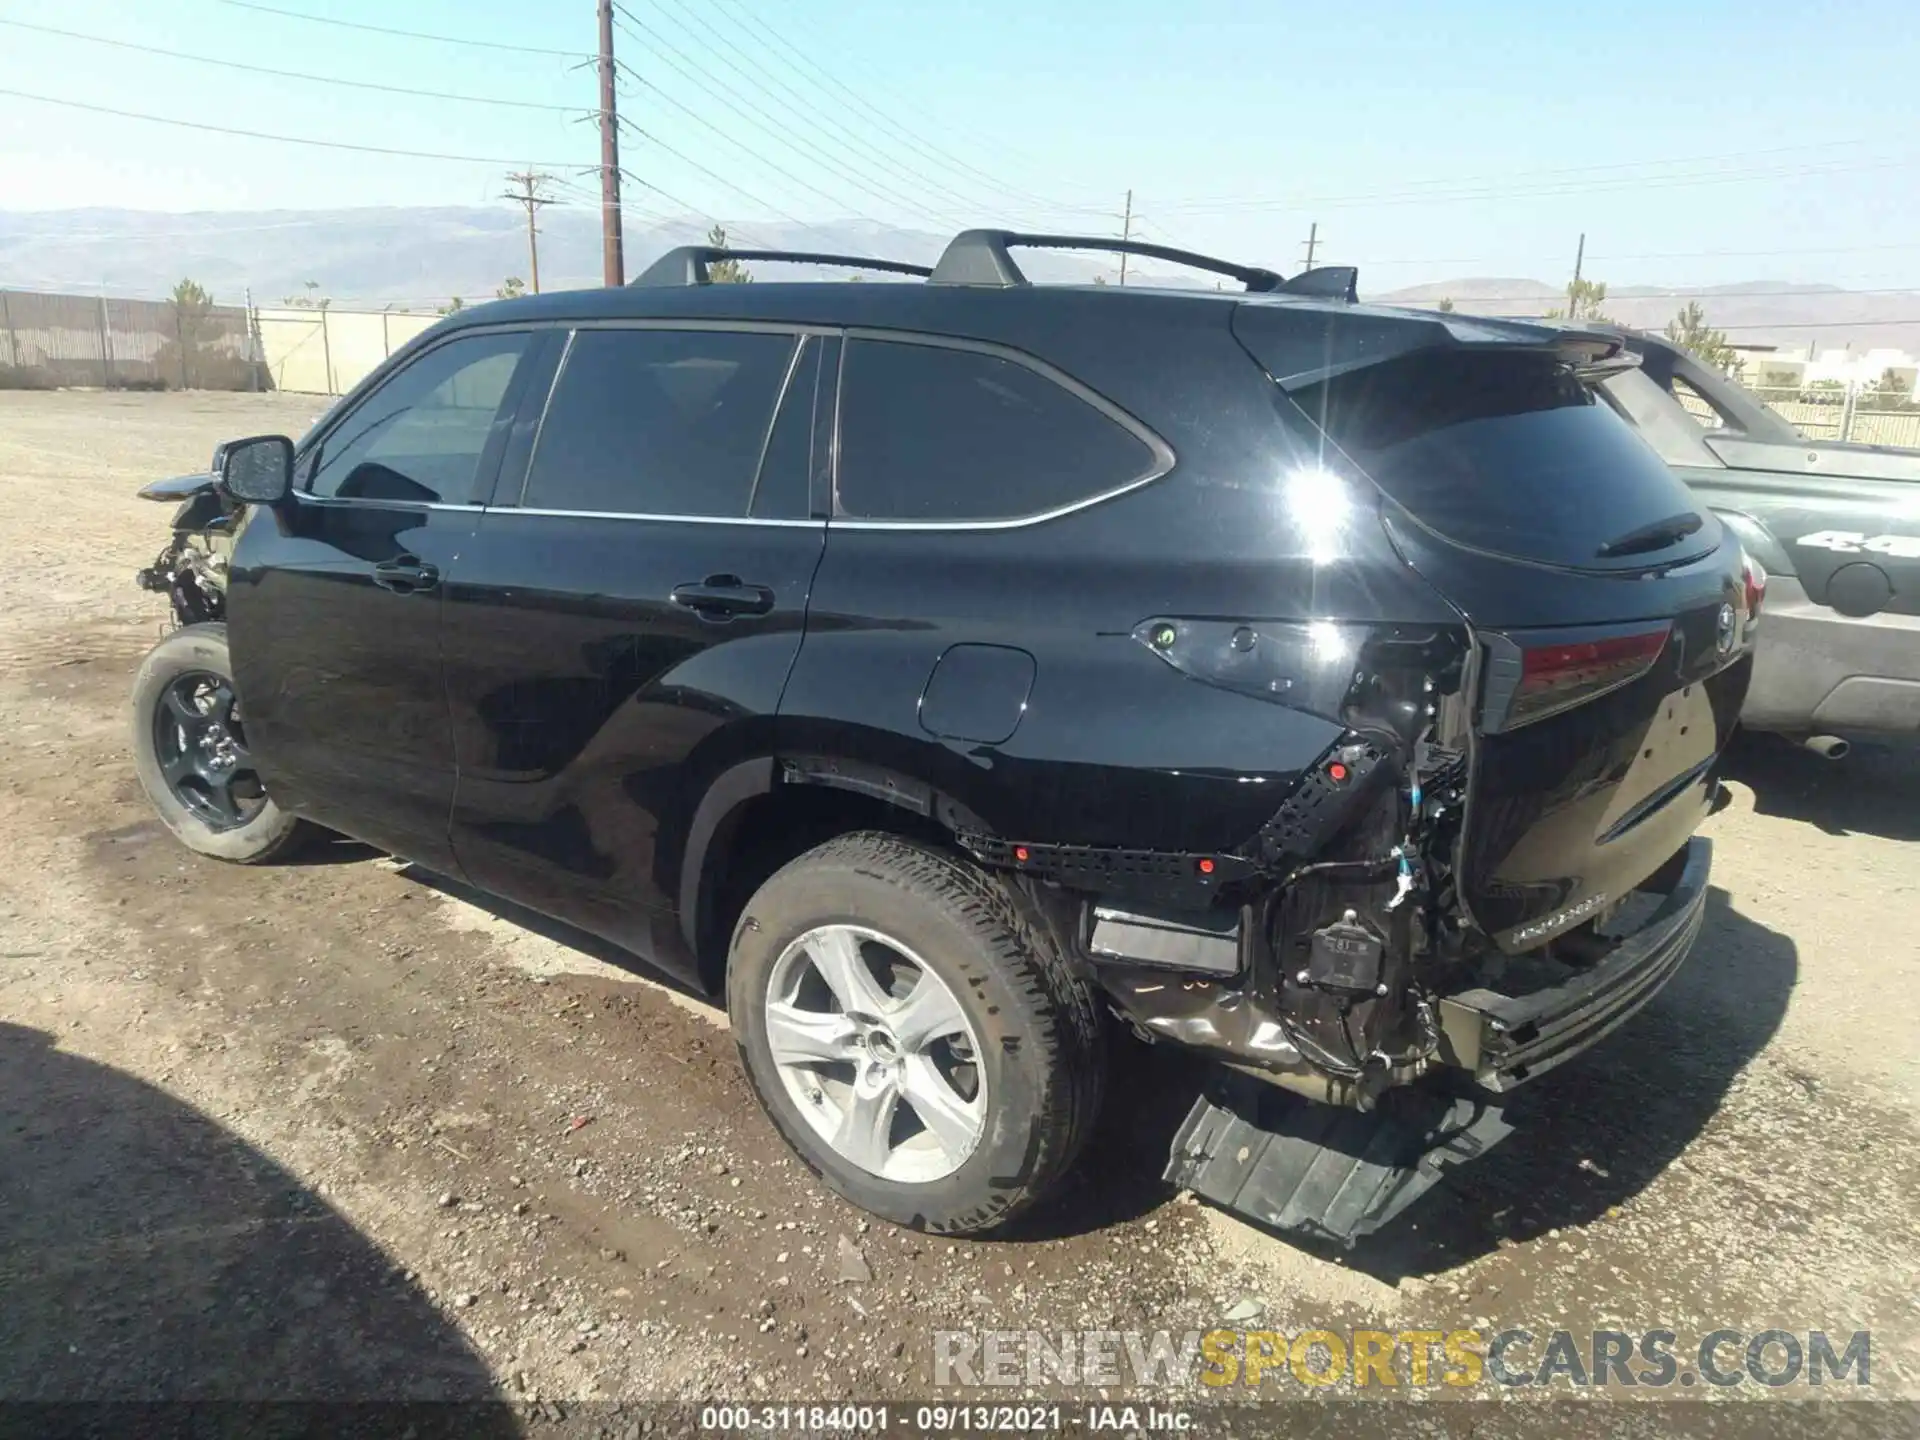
[720,597]
[406,576]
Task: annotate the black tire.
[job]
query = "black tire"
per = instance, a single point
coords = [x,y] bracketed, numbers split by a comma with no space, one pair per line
[1042,1040]
[261,831]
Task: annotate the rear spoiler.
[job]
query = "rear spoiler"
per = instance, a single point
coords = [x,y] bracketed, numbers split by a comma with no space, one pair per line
[1301,346]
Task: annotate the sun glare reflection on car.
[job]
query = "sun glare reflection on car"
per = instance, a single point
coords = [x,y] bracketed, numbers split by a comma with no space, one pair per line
[1316,505]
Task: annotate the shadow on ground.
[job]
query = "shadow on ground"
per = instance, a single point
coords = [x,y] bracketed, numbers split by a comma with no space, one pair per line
[1874,791]
[559,931]
[1587,1136]
[1600,1129]
[147,1254]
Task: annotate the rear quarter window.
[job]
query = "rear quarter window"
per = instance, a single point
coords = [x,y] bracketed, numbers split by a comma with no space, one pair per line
[940,434]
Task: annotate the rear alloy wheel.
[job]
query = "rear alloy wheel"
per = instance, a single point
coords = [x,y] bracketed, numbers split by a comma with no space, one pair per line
[875,1051]
[913,1029]
[190,749]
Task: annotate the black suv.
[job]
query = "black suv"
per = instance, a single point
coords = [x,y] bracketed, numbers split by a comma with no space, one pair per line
[948,671]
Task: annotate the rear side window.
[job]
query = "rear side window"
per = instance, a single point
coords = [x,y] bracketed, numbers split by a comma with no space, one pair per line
[423,433]
[1505,452]
[933,433]
[658,422]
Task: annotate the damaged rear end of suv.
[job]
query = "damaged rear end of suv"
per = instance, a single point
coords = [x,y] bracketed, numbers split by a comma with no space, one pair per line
[949,673]
[1494,864]
[1383,794]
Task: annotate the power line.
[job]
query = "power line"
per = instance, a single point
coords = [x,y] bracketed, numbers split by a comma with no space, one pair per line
[767,123]
[405,34]
[845,140]
[741,145]
[494,160]
[903,133]
[289,74]
[715,176]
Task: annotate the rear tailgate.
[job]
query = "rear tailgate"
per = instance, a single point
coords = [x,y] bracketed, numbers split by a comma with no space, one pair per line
[1608,607]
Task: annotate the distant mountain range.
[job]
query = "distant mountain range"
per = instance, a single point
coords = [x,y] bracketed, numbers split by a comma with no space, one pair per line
[417,257]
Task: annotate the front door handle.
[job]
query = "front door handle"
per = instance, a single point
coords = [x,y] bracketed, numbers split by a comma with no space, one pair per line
[406,576]
[721,597]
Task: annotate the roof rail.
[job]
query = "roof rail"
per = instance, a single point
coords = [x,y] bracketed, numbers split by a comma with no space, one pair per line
[687,264]
[979,257]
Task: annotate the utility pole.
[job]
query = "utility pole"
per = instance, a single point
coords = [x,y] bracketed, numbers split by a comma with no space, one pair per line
[1573,290]
[612,259]
[529,196]
[1313,242]
[1126,234]
[256,347]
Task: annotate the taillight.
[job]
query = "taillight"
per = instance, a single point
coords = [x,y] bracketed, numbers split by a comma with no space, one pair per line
[1532,676]
[1753,576]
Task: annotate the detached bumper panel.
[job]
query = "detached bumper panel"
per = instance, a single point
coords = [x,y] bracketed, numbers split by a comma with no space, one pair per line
[1506,1040]
[1320,1170]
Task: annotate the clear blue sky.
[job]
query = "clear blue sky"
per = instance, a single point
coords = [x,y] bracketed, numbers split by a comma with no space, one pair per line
[1428,140]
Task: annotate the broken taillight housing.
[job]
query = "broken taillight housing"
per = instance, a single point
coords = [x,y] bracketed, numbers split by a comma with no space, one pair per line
[1532,676]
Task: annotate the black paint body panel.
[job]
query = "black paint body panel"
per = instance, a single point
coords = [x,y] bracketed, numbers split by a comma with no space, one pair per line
[552,724]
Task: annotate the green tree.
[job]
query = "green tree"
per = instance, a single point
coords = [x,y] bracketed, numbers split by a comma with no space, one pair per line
[728,271]
[1445,306]
[511,289]
[1690,331]
[1892,391]
[311,300]
[456,303]
[1584,299]
[192,327]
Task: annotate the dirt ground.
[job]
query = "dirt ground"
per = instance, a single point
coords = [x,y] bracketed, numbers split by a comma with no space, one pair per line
[337,1130]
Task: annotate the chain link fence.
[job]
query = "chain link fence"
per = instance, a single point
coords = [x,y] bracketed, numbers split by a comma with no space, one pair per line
[1864,414]
[50,342]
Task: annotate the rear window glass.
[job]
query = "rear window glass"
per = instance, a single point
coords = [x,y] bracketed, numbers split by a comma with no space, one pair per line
[933,433]
[1504,452]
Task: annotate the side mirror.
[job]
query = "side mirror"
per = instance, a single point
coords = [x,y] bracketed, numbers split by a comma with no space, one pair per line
[258,470]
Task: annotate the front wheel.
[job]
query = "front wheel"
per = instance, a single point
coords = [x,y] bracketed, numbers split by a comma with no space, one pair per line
[190,750]
[914,1032]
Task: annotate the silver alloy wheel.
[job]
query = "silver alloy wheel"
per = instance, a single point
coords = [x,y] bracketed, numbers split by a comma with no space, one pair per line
[876,1053]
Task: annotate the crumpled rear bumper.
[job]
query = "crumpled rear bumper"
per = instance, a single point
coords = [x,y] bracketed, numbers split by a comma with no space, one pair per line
[1505,1040]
